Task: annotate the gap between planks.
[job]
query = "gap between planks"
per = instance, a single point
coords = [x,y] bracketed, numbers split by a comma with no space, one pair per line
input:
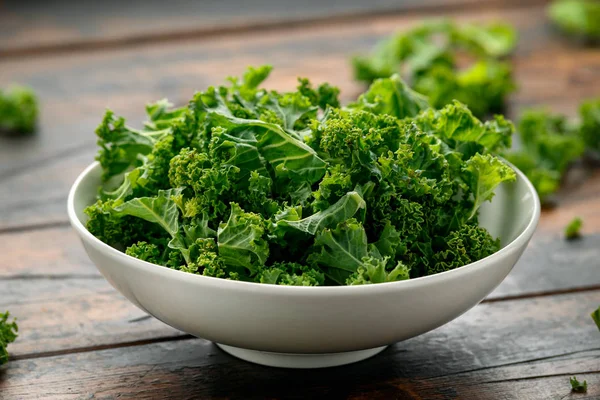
[286,24]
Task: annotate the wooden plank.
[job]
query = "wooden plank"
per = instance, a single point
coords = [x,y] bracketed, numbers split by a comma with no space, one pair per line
[61,314]
[75,90]
[43,26]
[491,352]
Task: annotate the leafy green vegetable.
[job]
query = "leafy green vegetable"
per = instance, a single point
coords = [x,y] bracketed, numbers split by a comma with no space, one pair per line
[548,146]
[596,317]
[18,109]
[577,17]
[290,189]
[573,229]
[578,387]
[8,334]
[589,112]
[430,59]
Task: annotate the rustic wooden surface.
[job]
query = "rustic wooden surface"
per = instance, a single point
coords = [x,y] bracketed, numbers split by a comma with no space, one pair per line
[79,338]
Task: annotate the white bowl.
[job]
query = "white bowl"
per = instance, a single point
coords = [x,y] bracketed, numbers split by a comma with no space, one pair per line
[309,327]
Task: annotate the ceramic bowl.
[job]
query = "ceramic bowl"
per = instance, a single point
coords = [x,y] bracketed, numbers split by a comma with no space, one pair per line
[309,327]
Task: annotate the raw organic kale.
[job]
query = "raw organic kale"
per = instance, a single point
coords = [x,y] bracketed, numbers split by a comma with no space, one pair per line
[577,17]
[549,144]
[578,387]
[596,317]
[18,110]
[572,231]
[431,58]
[290,189]
[8,334]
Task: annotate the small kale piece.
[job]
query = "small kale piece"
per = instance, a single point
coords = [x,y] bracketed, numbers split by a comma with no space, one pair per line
[573,229]
[589,112]
[18,110]
[577,17]
[8,334]
[578,387]
[596,317]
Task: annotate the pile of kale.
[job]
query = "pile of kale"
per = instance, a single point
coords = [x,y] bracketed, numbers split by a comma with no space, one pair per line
[289,188]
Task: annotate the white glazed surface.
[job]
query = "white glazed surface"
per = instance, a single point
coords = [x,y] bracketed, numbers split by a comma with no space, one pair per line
[314,320]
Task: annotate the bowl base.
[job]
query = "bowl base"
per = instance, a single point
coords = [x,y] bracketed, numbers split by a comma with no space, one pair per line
[291,360]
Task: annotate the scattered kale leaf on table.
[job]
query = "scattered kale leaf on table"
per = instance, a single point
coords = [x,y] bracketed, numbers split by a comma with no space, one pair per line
[549,144]
[18,110]
[288,188]
[8,334]
[573,229]
[578,387]
[447,61]
[577,17]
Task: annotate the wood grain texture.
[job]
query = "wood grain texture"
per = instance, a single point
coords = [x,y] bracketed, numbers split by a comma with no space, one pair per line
[522,349]
[41,26]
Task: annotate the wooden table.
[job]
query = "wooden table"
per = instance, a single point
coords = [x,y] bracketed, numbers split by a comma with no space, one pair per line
[79,338]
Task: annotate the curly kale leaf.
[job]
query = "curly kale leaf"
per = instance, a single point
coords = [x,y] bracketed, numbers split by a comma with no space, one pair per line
[578,387]
[460,130]
[8,334]
[590,124]
[373,270]
[288,156]
[576,17]
[18,109]
[290,274]
[343,209]
[573,229]
[427,58]
[161,210]
[341,250]
[393,97]
[121,146]
[483,175]
[495,40]
[548,145]
[242,240]
[466,245]
[596,317]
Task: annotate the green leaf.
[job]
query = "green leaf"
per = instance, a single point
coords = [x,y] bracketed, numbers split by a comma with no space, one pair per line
[19,109]
[343,209]
[160,210]
[495,40]
[121,146]
[455,123]
[289,108]
[373,270]
[578,387]
[577,17]
[388,240]
[391,96]
[8,334]
[483,175]
[342,248]
[596,317]
[288,156]
[241,241]
[573,229]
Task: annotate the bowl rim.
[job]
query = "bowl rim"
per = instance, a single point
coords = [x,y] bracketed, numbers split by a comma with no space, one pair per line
[131,261]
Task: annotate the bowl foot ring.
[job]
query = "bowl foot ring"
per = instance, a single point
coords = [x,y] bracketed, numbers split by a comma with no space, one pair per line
[290,360]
